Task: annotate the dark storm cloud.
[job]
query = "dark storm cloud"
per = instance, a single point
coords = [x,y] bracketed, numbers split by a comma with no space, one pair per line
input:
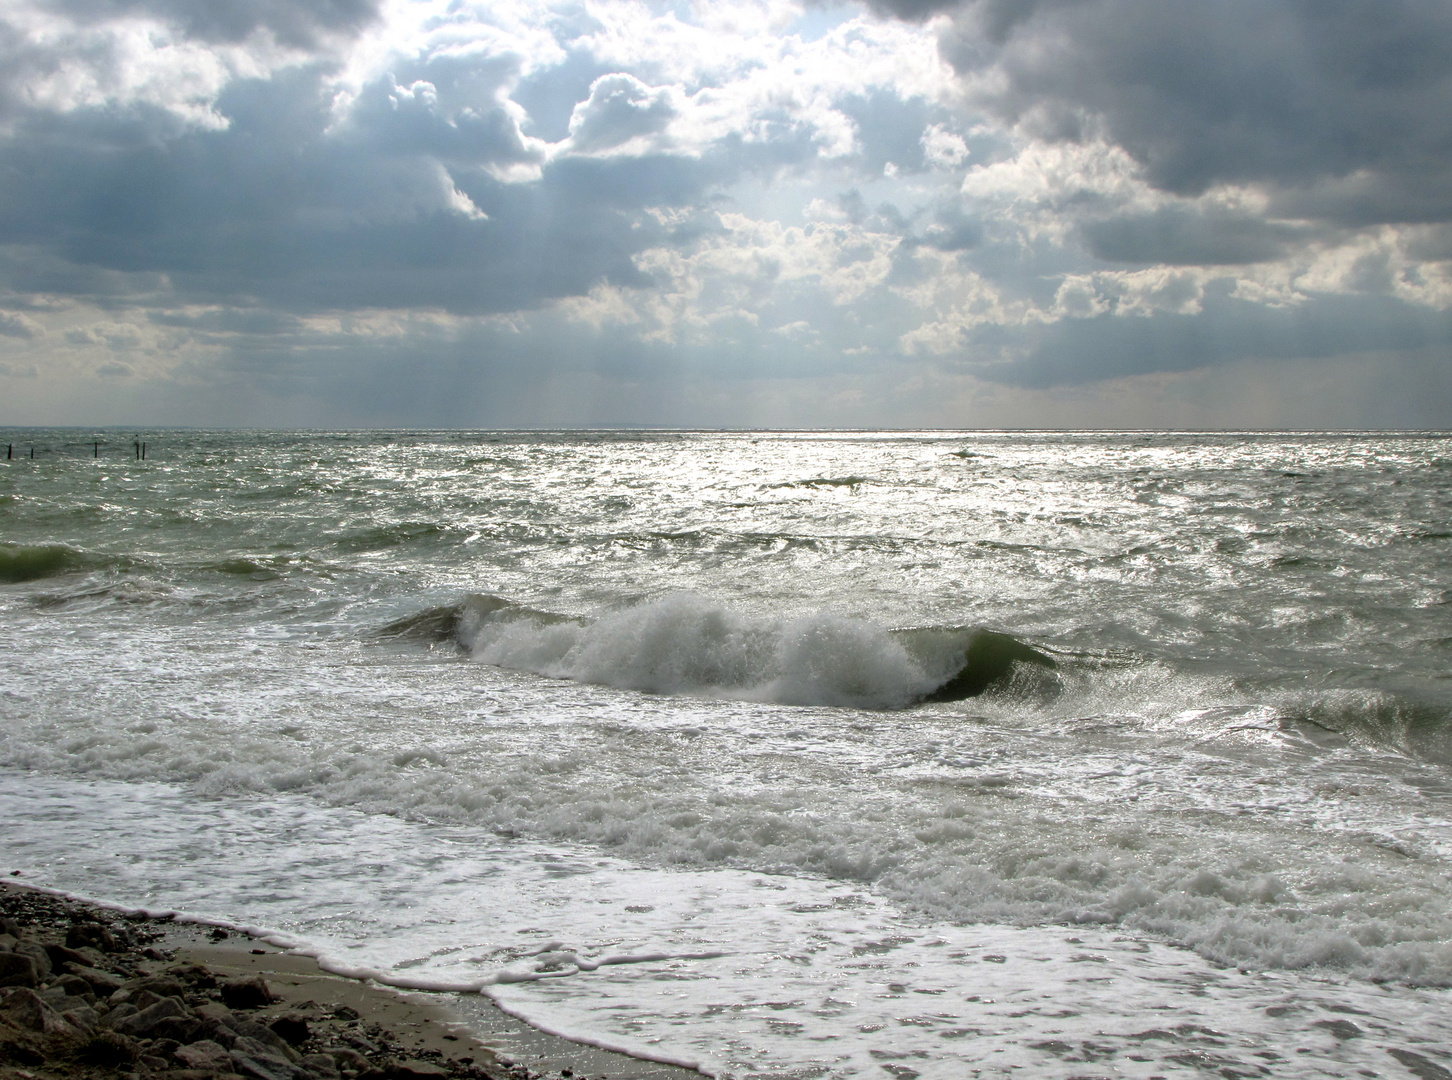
[293,22]
[1178,236]
[279,209]
[1074,352]
[1294,95]
[425,193]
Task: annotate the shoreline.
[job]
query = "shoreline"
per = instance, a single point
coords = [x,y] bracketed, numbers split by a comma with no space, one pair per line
[77,1018]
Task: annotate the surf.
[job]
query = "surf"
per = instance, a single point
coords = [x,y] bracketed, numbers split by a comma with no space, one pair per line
[688,645]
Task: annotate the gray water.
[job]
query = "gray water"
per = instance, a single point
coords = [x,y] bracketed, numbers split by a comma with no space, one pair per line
[481,710]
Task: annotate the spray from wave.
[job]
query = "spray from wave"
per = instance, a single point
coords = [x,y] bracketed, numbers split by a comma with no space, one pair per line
[686,644]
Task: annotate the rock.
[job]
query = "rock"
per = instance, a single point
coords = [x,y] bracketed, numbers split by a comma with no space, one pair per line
[102,983]
[74,986]
[217,1033]
[108,1050]
[252,1058]
[61,955]
[250,1029]
[348,1059]
[416,1069]
[193,975]
[230,1027]
[204,1054]
[358,1041]
[37,953]
[26,1009]
[54,995]
[92,934]
[181,1029]
[82,1017]
[321,1065]
[120,1012]
[143,1023]
[292,1028]
[163,986]
[145,999]
[9,926]
[17,969]
[215,1010]
[246,993]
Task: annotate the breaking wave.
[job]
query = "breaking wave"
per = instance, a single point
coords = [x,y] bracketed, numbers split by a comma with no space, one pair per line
[686,644]
[31,562]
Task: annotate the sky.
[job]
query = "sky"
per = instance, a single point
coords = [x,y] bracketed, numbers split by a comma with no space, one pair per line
[746,213]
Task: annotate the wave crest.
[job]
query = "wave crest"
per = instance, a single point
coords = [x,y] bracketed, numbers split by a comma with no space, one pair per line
[687,644]
[31,562]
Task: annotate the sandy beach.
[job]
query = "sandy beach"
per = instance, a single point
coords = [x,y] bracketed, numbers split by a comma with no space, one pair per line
[92,991]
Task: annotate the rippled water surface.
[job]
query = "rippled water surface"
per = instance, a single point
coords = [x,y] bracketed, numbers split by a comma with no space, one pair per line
[487,710]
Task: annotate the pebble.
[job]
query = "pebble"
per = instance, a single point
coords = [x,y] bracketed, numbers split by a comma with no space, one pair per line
[80,991]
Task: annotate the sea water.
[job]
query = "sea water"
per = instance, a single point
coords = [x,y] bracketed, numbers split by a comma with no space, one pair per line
[637,733]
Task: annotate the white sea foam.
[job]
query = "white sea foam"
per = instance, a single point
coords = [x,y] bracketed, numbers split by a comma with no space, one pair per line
[741,974]
[1164,823]
[1242,749]
[686,644]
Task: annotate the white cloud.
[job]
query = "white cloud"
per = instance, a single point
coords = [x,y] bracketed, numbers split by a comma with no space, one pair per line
[1377,261]
[944,148]
[955,302]
[67,63]
[747,268]
[623,116]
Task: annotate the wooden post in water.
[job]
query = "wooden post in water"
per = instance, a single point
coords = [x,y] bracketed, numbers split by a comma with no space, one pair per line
[143,451]
[138,449]
[95,449]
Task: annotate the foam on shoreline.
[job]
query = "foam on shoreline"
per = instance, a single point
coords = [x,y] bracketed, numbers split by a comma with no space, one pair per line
[430,1013]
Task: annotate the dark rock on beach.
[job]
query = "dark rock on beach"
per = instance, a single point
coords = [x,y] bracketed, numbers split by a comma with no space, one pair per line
[246,993]
[89,993]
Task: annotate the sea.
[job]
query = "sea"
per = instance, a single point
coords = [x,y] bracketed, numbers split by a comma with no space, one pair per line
[780,755]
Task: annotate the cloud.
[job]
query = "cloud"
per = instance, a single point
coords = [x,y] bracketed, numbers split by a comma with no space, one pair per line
[1212,331]
[1182,236]
[409,179]
[18,326]
[176,56]
[621,113]
[1341,110]
[339,199]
